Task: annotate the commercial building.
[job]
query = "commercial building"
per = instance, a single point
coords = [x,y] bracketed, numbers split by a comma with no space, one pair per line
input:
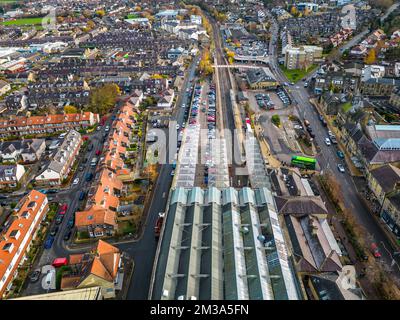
[222,244]
[261,78]
[16,239]
[59,168]
[302,57]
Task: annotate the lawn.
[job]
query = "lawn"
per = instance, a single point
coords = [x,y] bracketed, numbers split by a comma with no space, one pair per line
[132,16]
[23,21]
[346,107]
[297,74]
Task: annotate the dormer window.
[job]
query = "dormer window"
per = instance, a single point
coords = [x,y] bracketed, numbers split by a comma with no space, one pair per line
[15,234]
[31,204]
[25,215]
[8,247]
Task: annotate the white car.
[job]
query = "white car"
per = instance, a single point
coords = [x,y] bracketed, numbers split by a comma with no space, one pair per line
[340,167]
[177,126]
[183,105]
[107,129]
[327,141]
[75,182]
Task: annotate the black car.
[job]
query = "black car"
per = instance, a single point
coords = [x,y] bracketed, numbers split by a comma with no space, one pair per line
[52,191]
[67,235]
[309,129]
[34,276]
[85,160]
[54,231]
[90,148]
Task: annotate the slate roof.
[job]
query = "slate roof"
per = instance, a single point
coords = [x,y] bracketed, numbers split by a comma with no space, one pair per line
[387,176]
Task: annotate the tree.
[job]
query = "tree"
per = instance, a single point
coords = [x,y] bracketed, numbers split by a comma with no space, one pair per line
[101,13]
[371,57]
[293,11]
[70,109]
[205,65]
[86,13]
[276,120]
[103,98]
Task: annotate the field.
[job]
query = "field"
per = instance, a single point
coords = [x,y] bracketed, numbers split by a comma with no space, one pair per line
[296,75]
[24,21]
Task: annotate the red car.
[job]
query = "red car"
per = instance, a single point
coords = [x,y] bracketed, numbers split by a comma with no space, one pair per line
[98,152]
[375,250]
[63,209]
[59,262]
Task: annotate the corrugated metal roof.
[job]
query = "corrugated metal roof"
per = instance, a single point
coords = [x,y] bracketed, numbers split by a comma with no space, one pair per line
[179,195]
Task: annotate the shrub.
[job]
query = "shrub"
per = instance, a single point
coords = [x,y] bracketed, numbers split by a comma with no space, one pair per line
[276,120]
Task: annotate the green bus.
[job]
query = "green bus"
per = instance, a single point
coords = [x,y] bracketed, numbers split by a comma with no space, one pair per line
[304,162]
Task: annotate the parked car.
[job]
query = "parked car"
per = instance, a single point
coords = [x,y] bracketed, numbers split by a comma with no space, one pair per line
[67,235]
[341,168]
[89,176]
[54,231]
[327,141]
[49,242]
[59,262]
[340,154]
[375,250]
[59,218]
[75,182]
[35,275]
[82,195]
[71,222]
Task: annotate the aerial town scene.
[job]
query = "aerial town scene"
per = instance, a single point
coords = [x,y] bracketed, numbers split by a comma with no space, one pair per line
[199,150]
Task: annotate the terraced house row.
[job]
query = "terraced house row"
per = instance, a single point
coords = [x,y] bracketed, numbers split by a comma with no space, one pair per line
[100,215]
[20,126]
[16,239]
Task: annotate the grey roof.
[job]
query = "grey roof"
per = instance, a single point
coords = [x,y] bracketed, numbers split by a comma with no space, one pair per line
[204,256]
[258,75]
[387,176]
[300,205]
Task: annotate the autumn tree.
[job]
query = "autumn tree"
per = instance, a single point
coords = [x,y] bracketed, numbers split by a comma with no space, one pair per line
[294,11]
[205,65]
[103,98]
[101,13]
[371,57]
[70,109]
